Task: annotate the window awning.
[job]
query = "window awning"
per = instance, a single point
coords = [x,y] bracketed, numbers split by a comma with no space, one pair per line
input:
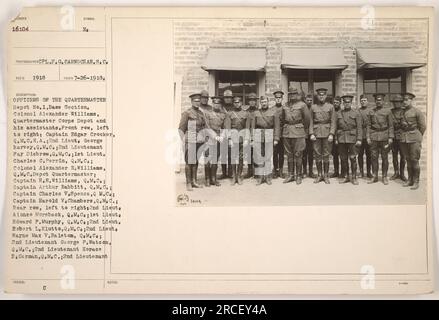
[238,59]
[387,58]
[313,58]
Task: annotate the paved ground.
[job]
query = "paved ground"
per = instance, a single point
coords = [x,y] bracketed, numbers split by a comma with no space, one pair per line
[308,193]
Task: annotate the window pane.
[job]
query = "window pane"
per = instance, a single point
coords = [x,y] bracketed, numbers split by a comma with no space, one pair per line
[395,87]
[395,75]
[383,87]
[369,87]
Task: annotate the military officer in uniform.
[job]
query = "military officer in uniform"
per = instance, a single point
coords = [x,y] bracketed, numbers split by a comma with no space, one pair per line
[251,109]
[215,123]
[335,153]
[349,133]
[398,164]
[364,148]
[236,124]
[192,123]
[308,159]
[265,132]
[226,167]
[278,154]
[380,136]
[205,106]
[413,128]
[295,121]
[322,130]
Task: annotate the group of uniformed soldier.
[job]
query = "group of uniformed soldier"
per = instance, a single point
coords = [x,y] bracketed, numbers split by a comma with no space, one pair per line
[228,133]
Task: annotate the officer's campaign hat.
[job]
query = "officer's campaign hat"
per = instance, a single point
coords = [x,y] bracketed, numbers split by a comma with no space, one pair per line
[278,93]
[228,93]
[321,90]
[363,96]
[195,96]
[409,95]
[263,98]
[396,98]
[252,96]
[217,99]
[293,90]
[377,95]
[337,98]
[347,98]
[309,95]
[237,99]
[204,93]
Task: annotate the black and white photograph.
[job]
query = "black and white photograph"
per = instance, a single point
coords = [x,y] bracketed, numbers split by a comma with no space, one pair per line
[301,111]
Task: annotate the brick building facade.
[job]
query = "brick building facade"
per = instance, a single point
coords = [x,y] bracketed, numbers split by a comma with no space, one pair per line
[390,58]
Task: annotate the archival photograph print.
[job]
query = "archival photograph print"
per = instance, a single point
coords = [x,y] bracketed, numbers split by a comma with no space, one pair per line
[281,112]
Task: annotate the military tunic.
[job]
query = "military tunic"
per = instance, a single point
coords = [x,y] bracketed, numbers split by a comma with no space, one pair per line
[364,148]
[295,121]
[413,127]
[349,130]
[191,126]
[379,131]
[278,154]
[215,124]
[265,129]
[322,125]
[236,123]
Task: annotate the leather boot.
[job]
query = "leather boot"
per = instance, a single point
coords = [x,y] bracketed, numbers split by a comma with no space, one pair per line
[275,173]
[239,173]
[234,174]
[354,171]
[395,167]
[188,173]
[361,172]
[336,173]
[416,173]
[326,172]
[207,178]
[213,178]
[409,181]
[385,179]
[194,169]
[223,171]
[290,175]
[298,172]
[368,168]
[268,179]
[319,173]
[402,170]
[374,178]
[229,171]
[304,171]
[281,173]
[259,180]
[344,169]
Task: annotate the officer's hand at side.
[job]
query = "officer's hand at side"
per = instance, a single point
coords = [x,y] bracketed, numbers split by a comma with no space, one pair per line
[275,142]
[231,143]
[312,137]
[245,144]
[331,138]
[390,141]
[369,141]
[358,143]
